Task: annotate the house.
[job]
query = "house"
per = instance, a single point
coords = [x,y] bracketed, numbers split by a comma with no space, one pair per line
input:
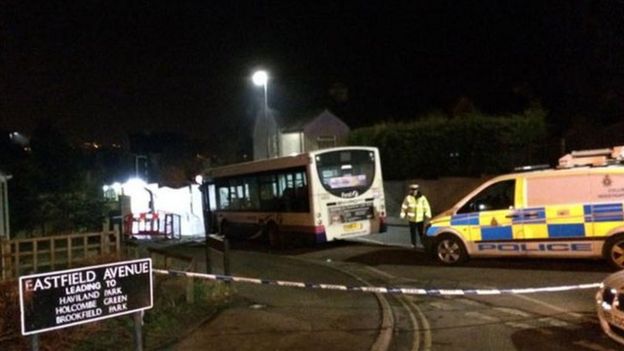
[5,229]
[308,132]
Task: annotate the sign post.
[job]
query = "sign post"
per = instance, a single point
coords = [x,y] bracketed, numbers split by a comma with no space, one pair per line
[221,243]
[34,342]
[61,299]
[138,330]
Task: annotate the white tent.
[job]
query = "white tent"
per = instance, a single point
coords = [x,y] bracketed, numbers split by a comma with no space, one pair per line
[185,202]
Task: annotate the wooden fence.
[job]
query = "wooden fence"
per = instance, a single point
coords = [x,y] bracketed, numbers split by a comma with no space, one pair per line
[25,256]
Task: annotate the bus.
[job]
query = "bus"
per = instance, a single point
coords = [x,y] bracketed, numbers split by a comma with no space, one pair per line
[312,197]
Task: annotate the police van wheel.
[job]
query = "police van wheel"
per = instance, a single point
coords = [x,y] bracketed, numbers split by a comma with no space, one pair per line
[614,251]
[449,250]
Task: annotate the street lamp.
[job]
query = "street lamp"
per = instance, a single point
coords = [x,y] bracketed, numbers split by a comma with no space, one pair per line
[261,78]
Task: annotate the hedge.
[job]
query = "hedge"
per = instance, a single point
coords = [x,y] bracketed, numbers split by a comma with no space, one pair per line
[468,145]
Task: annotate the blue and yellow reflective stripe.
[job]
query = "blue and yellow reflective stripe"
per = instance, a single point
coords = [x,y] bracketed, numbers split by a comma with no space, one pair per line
[566,230]
[465,219]
[497,233]
[553,221]
[529,216]
[604,213]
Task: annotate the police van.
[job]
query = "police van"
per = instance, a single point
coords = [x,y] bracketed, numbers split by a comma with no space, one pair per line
[574,211]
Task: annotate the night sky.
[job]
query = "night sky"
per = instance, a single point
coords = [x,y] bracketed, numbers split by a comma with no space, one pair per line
[101,69]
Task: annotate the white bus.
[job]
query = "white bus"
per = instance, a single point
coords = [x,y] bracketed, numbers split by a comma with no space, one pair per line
[312,197]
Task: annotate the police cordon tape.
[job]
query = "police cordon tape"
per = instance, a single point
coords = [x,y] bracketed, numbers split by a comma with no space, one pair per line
[377,289]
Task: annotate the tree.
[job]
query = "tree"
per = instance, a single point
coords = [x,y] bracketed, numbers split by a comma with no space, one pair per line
[52,191]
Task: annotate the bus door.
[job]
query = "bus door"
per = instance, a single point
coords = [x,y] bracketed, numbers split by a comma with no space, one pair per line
[209,205]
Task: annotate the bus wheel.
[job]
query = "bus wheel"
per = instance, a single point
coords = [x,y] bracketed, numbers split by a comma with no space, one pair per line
[614,251]
[225,230]
[449,250]
[274,235]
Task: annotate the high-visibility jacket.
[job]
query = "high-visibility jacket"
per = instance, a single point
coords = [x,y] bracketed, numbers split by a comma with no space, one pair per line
[416,209]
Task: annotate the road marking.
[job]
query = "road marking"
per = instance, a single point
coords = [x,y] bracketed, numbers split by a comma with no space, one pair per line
[415,331]
[512,311]
[551,306]
[481,316]
[441,306]
[382,343]
[554,322]
[519,325]
[515,312]
[470,302]
[380,272]
[426,326]
[425,323]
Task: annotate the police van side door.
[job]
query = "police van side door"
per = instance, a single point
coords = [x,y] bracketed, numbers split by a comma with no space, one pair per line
[494,209]
[557,219]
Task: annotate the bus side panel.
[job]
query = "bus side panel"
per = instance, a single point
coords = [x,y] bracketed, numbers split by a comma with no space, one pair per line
[300,227]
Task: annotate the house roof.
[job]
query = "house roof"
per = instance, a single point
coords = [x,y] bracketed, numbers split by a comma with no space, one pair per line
[297,122]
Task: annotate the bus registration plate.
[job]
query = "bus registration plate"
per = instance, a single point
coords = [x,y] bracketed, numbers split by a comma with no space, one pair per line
[352,226]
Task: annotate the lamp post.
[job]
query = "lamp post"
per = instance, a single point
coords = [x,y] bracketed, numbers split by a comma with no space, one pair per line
[261,78]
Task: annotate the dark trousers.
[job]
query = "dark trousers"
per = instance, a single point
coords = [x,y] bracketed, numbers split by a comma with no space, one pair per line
[417,228]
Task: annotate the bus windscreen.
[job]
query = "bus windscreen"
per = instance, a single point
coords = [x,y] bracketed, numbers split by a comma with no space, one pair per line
[345,171]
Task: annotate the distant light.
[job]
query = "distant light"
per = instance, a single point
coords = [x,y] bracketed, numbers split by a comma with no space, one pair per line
[134,185]
[199,179]
[260,78]
[117,187]
[105,188]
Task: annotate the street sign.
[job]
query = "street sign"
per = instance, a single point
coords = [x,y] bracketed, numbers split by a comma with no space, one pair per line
[62,299]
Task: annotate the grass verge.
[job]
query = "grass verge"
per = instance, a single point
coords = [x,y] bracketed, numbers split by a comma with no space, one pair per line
[171,318]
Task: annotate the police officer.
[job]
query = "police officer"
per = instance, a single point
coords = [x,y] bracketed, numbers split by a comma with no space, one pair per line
[416,207]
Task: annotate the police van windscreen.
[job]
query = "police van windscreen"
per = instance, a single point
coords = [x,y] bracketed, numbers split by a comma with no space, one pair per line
[346,173]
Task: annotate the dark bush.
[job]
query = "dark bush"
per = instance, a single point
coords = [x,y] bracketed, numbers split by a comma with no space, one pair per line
[468,145]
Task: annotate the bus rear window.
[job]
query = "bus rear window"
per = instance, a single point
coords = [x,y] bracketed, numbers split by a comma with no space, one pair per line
[346,173]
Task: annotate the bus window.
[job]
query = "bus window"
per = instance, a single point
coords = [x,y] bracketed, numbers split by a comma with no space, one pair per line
[234,203]
[268,193]
[346,172]
[224,198]
[293,191]
[252,202]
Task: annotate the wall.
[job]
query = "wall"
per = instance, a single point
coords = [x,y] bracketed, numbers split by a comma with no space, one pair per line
[290,143]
